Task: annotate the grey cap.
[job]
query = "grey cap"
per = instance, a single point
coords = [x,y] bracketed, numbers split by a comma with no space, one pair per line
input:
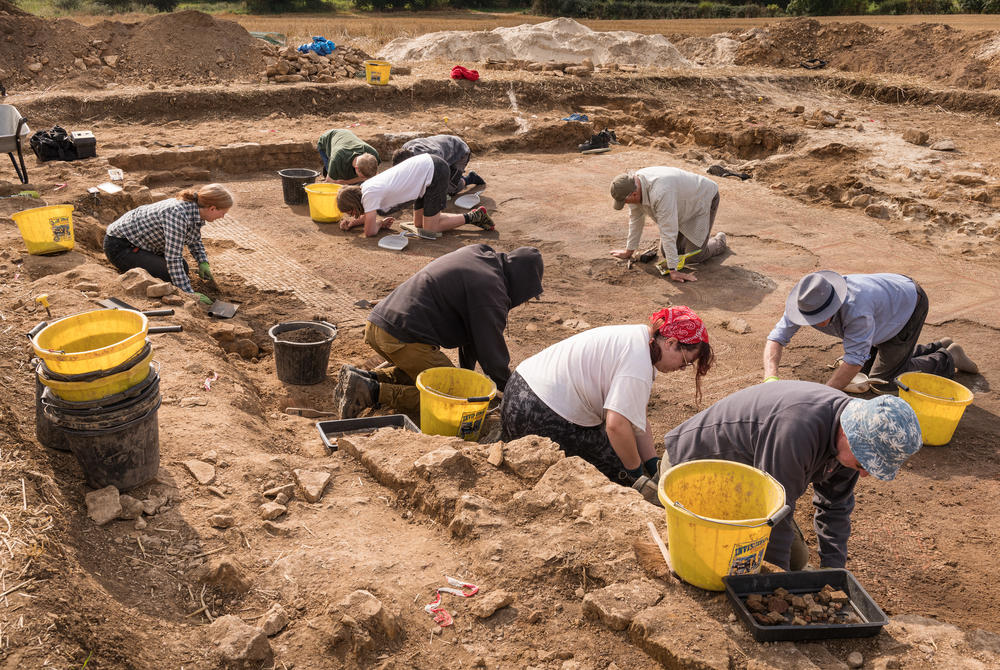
[816,298]
[882,432]
[621,188]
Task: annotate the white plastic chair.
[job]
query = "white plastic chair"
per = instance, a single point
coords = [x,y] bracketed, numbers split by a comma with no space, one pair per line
[13,131]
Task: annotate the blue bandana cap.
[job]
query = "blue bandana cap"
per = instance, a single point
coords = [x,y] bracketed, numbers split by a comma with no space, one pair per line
[883,433]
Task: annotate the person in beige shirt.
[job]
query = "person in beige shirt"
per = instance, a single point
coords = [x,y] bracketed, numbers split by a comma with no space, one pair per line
[682,204]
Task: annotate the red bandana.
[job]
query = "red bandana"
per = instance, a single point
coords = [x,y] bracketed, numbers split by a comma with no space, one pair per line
[681,323]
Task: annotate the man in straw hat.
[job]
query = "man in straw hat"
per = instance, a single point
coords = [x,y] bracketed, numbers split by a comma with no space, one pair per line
[682,204]
[879,318]
[802,433]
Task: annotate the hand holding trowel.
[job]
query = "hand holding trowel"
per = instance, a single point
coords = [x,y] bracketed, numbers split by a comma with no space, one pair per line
[222,310]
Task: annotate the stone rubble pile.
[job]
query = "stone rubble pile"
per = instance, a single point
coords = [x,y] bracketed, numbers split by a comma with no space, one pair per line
[286,65]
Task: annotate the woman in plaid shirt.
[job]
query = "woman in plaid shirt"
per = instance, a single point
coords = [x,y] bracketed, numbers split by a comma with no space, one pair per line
[153,236]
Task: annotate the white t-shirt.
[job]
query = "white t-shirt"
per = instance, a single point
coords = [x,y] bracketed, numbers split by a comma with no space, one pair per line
[397,185]
[596,370]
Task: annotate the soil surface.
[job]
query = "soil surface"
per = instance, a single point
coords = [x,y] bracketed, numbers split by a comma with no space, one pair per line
[250,510]
[302,335]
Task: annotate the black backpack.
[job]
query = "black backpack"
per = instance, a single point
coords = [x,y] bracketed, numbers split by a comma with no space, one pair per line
[54,144]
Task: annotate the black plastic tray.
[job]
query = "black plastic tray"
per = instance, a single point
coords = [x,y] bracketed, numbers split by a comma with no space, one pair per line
[739,587]
[329,429]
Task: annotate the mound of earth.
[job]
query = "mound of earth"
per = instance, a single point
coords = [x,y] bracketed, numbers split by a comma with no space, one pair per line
[713,50]
[184,47]
[933,52]
[8,8]
[559,40]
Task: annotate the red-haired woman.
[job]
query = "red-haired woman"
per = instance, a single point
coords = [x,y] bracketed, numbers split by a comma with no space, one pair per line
[589,392]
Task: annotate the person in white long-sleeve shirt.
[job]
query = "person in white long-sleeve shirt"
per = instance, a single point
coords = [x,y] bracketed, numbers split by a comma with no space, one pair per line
[682,204]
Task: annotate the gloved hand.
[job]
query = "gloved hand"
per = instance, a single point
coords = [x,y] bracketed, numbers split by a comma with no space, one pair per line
[205,270]
[772,378]
[204,298]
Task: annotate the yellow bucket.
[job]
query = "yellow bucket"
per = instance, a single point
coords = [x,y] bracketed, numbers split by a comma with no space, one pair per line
[453,401]
[91,341]
[46,230]
[377,72]
[938,402]
[719,519]
[323,202]
[102,387]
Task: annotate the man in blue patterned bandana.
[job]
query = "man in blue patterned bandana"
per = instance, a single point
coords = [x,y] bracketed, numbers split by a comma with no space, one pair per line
[803,433]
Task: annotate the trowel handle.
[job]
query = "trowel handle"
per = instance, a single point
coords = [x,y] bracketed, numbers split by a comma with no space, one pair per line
[37,329]
[901,385]
[158,312]
[780,515]
[165,329]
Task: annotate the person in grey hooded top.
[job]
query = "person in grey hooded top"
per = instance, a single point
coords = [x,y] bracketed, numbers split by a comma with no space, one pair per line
[458,301]
[804,433]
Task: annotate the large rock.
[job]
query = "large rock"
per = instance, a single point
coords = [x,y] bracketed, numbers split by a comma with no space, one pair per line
[226,574]
[271,510]
[239,645]
[131,508]
[915,136]
[944,145]
[679,633]
[311,483]
[369,612]
[474,515]
[529,457]
[103,505]
[444,462]
[615,606]
[136,281]
[160,290]
[484,606]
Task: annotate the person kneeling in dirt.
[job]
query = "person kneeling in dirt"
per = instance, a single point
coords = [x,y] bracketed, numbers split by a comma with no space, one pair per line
[589,392]
[459,300]
[451,149]
[878,316]
[682,204]
[422,180]
[801,433]
[153,236]
[346,158]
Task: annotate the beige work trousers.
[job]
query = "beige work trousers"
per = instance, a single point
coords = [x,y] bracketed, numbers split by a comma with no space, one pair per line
[397,382]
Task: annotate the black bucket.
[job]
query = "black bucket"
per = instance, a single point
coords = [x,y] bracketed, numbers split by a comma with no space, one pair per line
[48,433]
[302,362]
[116,444]
[293,182]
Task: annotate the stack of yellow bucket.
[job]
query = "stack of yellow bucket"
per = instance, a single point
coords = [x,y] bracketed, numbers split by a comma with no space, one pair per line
[100,395]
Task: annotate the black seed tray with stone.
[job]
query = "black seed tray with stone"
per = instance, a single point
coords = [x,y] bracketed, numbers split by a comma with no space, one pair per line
[738,587]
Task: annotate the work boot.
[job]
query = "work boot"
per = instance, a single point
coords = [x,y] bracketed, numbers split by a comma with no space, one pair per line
[361,371]
[354,393]
[647,487]
[962,362]
[599,143]
[474,179]
[479,217]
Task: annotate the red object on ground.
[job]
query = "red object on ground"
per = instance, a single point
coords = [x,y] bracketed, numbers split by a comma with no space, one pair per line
[459,72]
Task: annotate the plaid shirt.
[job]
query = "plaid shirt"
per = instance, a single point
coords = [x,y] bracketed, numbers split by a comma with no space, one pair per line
[164,228]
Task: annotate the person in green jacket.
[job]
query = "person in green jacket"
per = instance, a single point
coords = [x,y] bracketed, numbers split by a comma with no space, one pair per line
[346,158]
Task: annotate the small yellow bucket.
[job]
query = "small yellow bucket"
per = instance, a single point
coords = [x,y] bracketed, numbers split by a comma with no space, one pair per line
[102,387]
[719,519]
[46,230]
[939,404]
[453,401]
[377,72]
[323,202]
[91,341]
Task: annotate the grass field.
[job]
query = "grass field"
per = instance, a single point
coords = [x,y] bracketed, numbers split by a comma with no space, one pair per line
[377,29]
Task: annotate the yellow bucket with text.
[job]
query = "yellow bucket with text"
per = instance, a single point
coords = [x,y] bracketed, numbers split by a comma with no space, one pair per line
[453,401]
[719,519]
[46,230]
[323,202]
[377,72]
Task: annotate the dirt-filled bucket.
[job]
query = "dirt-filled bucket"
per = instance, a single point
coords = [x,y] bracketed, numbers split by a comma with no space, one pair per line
[719,519]
[302,350]
[293,183]
[453,401]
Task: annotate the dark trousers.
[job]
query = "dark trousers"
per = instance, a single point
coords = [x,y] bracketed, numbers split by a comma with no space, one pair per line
[524,413]
[124,255]
[901,353]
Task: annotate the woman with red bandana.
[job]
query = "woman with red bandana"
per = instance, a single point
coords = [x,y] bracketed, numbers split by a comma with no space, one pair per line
[589,393]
